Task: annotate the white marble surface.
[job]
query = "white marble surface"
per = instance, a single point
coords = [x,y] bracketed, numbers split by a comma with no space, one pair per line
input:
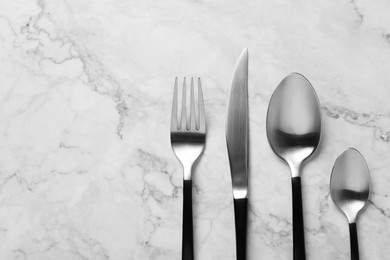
[86,167]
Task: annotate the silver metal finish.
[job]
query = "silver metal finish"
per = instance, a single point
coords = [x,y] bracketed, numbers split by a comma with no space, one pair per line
[350,183]
[294,121]
[188,134]
[237,127]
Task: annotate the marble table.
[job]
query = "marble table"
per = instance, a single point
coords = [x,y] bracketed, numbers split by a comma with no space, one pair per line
[86,167]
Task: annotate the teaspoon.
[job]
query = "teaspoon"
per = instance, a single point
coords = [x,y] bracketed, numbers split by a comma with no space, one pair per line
[350,187]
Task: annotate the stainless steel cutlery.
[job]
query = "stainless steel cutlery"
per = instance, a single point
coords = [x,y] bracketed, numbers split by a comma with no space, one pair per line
[293,127]
[237,144]
[294,133]
[350,187]
[188,137]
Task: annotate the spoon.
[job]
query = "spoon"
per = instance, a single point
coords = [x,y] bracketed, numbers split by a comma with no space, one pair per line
[350,187]
[294,133]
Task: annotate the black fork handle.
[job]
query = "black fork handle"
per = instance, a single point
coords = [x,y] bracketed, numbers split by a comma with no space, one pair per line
[188,237]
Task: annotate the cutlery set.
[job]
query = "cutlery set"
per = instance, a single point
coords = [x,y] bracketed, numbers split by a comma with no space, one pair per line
[293,129]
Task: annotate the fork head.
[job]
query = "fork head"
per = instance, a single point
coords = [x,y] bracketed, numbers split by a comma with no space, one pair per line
[188,132]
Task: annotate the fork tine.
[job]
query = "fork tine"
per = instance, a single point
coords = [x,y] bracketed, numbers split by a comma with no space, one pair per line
[202,117]
[183,121]
[192,107]
[174,108]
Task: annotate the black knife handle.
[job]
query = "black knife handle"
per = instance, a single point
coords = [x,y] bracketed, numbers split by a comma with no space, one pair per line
[298,227]
[241,220]
[354,241]
[188,237]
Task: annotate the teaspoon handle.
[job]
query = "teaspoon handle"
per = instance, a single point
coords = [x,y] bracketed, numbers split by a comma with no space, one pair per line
[187,238]
[241,220]
[298,227]
[354,241]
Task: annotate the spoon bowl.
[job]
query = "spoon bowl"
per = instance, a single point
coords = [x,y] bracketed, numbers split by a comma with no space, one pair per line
[350,183]
[294,121]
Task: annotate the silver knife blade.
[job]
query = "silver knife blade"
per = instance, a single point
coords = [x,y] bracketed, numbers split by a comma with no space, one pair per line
[237,127]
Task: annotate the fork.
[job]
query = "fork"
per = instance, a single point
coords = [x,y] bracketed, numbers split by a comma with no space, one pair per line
[188,137]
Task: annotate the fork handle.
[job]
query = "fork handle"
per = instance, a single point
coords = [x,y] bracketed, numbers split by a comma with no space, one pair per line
[354,241]
[298,227]
[187,238]
[241,220]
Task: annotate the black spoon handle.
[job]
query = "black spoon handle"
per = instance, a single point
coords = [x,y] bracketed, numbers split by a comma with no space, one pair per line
[187,238]
[241,220]
[354,241]
[298,227]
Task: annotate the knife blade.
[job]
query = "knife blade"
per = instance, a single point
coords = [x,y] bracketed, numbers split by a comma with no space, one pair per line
[237,128]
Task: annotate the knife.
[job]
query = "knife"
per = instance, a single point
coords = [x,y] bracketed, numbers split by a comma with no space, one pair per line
[237,146]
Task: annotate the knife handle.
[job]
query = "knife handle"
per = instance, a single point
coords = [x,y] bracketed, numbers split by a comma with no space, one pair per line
[354,241]
[187,238]
[241,221]
[298,227]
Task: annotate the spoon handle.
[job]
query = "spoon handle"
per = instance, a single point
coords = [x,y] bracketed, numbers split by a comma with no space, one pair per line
[354,241]
[241,219]
[298,228]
